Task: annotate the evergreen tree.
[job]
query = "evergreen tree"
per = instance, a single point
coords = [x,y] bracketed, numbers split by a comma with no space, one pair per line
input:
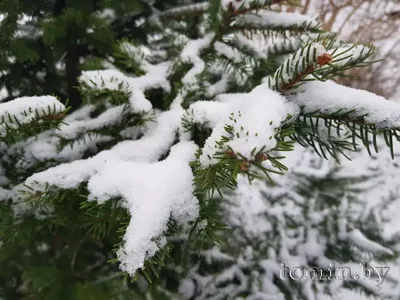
[148,171]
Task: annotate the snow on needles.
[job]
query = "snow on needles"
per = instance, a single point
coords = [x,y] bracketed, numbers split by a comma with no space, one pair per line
[329,97]
[150,208]
[27,109]
[254,118]
[149,148]
[113,80]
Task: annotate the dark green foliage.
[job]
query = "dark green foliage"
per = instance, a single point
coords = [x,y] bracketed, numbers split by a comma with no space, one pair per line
[45,44]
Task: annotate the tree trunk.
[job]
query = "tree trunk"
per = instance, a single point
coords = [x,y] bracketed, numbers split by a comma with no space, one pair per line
[72,74]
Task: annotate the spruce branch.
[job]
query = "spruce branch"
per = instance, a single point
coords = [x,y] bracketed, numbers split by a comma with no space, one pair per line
[298,67]
[40,120]
[340,131]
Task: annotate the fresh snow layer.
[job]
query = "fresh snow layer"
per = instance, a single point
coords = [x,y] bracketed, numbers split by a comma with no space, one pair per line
[191,54]
[348,53]
[329,97]
[109,117]
[114,80]
[150,208]
[247,210]
[125,171]
[27,109]
[155,143]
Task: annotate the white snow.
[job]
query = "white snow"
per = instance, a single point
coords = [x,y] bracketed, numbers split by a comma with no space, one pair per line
[150,208]
[156,142]
[272,19]
[347,54]
[203,6]
[191,54]
[114,80]
[247,210]
[254,119]
[329,97]
[3,93]
[357,238]
[110,117]
[27,109]
[227,51]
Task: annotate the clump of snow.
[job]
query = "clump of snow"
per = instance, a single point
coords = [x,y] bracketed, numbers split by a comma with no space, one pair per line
[254,120]
[155,142]
[138,54]
[108,14]
[27,109]
[156,77]
[78,148]
[82,113]
[150,208]
[6,194]
[208,112]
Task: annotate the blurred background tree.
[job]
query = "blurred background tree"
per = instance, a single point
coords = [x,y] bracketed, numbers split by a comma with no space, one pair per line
[364,21]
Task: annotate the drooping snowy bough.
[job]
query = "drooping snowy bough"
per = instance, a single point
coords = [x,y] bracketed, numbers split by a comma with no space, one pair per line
[188,122]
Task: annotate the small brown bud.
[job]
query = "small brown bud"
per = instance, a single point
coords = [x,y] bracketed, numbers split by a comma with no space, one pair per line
[324,59]
[54,117]
[244,166]
[230,153]
[261,157]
